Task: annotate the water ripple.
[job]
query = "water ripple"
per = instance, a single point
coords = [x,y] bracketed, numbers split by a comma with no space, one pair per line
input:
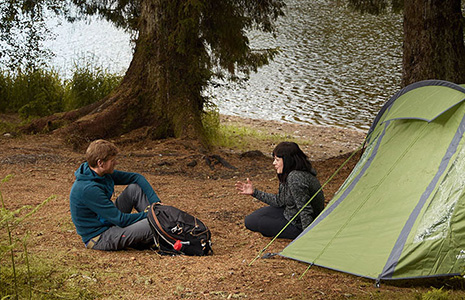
[336,67]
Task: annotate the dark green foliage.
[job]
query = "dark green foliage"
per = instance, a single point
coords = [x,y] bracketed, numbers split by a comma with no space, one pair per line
[123,13]
[376,6]
[5,84]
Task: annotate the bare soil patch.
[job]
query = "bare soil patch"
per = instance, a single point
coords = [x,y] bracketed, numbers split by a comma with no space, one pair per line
[196,181]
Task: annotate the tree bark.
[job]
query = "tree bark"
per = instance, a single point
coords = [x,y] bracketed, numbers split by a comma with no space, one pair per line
[161,90]
[433,41]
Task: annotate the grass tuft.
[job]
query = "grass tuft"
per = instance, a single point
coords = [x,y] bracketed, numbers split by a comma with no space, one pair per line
[436,294]
[239,137]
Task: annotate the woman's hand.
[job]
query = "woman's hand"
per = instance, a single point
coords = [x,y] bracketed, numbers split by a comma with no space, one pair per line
[245,188]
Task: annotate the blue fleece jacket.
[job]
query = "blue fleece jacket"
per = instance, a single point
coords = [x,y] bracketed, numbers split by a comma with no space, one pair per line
[92,210]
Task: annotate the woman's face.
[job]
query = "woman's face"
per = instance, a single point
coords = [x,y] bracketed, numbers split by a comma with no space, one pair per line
[278,164]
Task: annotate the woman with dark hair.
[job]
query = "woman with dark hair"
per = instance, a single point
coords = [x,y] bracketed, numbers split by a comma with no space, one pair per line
[297,185]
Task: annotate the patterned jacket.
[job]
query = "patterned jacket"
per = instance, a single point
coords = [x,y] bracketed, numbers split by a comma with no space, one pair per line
[300,186]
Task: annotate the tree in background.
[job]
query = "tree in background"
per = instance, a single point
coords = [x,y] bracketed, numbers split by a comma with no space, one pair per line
[180,46]
[433,37]
[22,32]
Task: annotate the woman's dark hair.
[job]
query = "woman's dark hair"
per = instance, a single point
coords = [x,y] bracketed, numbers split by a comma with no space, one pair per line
[293,159]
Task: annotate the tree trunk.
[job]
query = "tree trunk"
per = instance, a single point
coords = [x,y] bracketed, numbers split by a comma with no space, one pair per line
[433,41]
[161,89]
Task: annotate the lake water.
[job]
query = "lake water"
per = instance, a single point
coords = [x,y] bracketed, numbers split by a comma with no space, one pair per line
[336,67]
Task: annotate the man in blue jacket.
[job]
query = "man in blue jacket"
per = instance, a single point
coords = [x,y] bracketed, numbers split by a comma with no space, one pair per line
[102,223]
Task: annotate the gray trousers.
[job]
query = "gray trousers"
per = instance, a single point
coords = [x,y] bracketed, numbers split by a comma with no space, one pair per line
[138,235]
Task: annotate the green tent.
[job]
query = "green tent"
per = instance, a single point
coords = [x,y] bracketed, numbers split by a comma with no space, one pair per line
[401,212]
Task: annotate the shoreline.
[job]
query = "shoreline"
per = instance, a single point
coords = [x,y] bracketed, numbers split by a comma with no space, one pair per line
[324,141]
[321,142]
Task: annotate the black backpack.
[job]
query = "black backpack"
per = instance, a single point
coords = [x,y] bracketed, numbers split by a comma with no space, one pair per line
[177,232]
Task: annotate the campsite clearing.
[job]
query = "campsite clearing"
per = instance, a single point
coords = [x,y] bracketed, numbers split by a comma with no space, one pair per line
[42,166]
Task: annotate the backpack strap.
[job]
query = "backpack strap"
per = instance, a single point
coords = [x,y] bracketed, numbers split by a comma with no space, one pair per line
[164,233]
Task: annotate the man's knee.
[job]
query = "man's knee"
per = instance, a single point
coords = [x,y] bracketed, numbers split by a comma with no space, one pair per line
[134,197]
[133,188]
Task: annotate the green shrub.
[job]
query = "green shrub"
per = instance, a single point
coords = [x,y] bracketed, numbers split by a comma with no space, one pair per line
[5,88]
[38,93]
[34,93]
[88,85]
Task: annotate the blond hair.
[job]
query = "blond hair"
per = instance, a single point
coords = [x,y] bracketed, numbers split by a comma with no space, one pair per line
[100,149]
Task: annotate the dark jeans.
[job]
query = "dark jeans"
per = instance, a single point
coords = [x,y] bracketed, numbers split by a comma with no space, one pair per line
[138,235]
[269,221]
